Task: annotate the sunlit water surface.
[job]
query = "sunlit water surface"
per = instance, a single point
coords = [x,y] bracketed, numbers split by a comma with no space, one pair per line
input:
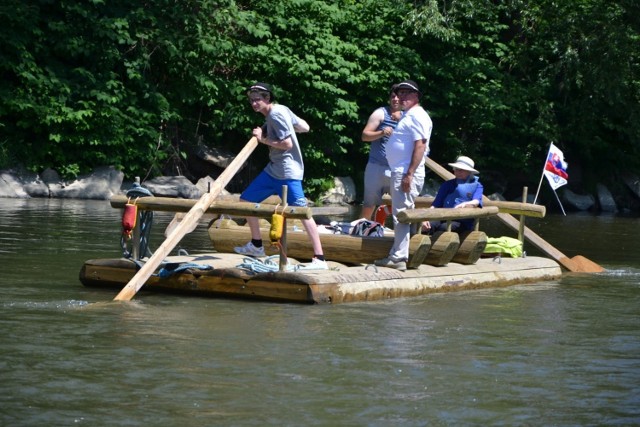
[553,353]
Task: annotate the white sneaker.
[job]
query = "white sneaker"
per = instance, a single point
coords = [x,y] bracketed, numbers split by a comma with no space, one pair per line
[315,264]
[250,250]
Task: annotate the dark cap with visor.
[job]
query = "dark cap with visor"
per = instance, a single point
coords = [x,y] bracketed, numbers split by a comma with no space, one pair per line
[261,87]
[408,85]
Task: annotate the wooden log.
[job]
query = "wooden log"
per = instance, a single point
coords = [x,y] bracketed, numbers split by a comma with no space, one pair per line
[242,209]
[445,214]
[185,204]
[342,248]
[337,247]
[223,223]
[419,247]
[444,245]
[513,208]
[472,244]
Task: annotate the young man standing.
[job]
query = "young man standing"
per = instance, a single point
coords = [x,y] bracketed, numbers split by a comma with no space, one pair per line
[379,127]
[285,168]
[406,151]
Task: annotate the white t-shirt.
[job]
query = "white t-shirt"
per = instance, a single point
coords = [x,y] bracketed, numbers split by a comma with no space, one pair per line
[415,124]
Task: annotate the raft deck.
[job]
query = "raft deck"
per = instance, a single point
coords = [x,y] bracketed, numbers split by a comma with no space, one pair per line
[339,284]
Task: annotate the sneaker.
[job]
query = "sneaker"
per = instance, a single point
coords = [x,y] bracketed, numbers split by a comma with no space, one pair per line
[250,250]
[390,263]
[315,264]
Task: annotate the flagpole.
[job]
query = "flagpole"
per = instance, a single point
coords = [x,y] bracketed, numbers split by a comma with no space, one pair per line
[539,185]
[561,207]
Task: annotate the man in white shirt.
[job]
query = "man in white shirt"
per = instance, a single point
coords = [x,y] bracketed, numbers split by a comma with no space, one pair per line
[406,151]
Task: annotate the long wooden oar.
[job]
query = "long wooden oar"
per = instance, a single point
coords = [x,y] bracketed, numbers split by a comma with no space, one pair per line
[576,264]
[186,225]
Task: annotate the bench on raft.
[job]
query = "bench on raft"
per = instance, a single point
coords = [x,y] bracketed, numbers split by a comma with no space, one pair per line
[471,243]
[437,250]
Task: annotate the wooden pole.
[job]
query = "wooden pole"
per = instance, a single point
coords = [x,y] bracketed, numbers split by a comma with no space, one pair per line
[228,208]
[578,264]
[191,218]
[513,208]
[525,192]
[282,264]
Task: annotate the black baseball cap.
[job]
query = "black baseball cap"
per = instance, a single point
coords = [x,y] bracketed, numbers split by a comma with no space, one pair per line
[408,85]
[262,87]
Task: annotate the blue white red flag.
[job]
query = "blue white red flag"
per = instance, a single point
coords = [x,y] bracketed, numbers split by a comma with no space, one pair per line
[555,168]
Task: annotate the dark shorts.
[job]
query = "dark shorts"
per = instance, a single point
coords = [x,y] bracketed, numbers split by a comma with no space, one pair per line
[265,185]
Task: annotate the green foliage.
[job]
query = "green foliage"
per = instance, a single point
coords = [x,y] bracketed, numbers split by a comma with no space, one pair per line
[120,83]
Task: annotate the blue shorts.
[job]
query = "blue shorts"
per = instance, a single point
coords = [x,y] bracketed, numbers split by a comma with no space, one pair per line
[265,185]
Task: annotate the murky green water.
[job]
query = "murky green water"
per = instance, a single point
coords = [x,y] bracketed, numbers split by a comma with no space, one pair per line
[552,353]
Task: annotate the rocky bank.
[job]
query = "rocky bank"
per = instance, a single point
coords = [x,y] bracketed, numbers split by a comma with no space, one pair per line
[104,182]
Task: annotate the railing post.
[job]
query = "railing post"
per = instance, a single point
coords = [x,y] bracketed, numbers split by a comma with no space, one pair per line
[525,191]
[282,266]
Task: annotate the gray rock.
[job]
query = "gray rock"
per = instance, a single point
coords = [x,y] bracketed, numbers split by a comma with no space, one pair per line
[605,199]
[214,155]
[173,186]
[430,187]
[342,193]
[37,188]
[577,201]
[49,176]
[10,186]
[530,199]
[632,181]
[20,183]
[496,197]
[101,184]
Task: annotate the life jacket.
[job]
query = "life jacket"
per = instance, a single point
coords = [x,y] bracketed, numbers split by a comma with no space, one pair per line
[462,193]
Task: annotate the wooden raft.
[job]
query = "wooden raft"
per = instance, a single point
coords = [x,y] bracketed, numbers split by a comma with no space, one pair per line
[340,284]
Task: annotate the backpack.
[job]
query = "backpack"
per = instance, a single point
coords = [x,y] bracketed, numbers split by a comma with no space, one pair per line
[365,227]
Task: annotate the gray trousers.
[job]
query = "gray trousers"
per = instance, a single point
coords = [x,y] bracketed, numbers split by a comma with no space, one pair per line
[401,201]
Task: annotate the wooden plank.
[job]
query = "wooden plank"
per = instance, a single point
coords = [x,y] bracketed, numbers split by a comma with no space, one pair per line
[186,224]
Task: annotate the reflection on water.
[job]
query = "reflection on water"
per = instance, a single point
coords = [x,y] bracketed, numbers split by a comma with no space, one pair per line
[552,353]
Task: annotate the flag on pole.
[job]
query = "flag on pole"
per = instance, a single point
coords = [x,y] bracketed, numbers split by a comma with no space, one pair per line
[555,168]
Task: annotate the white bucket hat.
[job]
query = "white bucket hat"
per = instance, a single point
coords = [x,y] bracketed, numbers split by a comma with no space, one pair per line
[465,163]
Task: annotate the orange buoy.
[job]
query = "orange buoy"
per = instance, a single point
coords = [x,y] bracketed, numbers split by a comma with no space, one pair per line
[129,217]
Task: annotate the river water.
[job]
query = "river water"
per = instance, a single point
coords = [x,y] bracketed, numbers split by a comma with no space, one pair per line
[563,353]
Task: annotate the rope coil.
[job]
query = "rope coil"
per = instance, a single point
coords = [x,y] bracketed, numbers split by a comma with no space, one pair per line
[268,265]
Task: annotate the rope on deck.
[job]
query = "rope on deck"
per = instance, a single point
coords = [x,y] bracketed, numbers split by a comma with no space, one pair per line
[268,265]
